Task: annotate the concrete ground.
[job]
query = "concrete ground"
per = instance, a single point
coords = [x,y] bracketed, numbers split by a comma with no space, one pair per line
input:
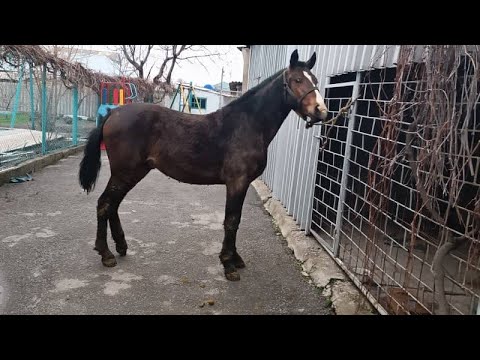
[174,232]
[17,139]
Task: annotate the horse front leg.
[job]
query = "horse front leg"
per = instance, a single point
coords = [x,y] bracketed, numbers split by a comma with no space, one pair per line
[233,212]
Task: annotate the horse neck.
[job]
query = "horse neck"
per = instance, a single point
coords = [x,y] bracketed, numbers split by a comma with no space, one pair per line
[272,108]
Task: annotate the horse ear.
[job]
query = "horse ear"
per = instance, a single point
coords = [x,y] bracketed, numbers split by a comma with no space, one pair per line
[310,63]
[294,58]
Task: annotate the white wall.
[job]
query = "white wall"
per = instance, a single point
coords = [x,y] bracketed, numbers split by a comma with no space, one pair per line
[213,100]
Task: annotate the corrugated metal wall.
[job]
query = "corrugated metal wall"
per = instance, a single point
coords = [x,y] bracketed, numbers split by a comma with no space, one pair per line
[290,167]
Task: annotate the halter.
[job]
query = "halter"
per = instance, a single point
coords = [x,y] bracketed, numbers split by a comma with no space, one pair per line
[289,91]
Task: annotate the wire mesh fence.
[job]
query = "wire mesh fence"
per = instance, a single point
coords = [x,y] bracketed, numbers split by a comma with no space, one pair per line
[397,194]
[39,114]
[49,102]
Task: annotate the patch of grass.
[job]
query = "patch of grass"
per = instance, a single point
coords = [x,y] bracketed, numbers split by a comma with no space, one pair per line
[21,119]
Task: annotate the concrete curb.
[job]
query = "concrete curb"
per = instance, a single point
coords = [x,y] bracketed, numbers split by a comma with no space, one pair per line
[37,163]
[345,297]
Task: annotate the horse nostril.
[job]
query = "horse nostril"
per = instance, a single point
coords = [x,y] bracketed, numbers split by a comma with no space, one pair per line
[323,113]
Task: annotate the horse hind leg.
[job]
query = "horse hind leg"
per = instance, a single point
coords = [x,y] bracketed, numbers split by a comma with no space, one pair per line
[116,190]
[123,188]
[103,209]
[118,234]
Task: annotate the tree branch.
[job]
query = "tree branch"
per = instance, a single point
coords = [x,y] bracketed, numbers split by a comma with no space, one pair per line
[198,56]
[130,59]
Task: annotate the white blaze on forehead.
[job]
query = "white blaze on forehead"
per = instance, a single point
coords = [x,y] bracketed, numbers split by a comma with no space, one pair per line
[320,102]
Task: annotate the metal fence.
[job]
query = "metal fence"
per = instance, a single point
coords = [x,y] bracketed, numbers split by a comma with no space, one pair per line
[39,114]
[88,100]
[364,209]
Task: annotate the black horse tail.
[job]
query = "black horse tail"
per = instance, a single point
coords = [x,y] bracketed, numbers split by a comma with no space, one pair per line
[90,165]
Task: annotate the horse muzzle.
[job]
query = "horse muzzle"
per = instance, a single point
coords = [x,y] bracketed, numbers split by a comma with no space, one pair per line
[318,116]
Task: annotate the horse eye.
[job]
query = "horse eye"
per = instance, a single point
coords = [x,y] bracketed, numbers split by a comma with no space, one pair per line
[298,80]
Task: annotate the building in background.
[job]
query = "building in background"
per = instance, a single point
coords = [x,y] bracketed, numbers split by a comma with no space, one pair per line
[246,65]
[203,100]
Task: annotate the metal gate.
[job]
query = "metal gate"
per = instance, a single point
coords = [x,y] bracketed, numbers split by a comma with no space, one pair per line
[332,169]
[381,248]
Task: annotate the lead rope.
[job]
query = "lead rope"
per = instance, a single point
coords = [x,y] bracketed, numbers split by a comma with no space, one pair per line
[334,120]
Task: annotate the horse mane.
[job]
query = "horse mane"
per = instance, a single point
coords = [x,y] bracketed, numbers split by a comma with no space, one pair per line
[250,93]
[253,91]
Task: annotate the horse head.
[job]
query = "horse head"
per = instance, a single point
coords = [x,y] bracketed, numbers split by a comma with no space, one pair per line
[302,92]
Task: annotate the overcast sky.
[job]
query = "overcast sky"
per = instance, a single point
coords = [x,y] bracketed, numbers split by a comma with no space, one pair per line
[210,73]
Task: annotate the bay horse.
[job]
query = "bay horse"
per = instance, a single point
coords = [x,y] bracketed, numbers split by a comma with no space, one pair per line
[227,147]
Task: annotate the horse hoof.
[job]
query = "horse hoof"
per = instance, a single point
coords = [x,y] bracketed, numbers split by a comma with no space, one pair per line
[110,262]
[238,262]
[232,276]
[122,252]
[240,265]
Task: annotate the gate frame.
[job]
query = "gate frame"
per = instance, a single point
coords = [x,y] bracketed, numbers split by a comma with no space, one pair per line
[334,249]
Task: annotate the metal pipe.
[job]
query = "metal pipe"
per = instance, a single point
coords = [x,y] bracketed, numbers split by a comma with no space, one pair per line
[44,109]
[17,98]
[346,168]
[32,108]
[75,116]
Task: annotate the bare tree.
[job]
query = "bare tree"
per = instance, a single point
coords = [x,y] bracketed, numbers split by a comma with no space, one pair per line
[142,59]
[176,53]
[133,59]
[122,66]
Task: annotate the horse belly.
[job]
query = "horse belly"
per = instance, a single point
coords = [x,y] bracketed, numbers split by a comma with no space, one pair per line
[189,172]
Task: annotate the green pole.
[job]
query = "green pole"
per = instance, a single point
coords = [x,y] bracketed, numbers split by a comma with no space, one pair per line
[75,115]
[17,98]
[32,109]
[175,96]
[44,109]
[190,97]
[180,96]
